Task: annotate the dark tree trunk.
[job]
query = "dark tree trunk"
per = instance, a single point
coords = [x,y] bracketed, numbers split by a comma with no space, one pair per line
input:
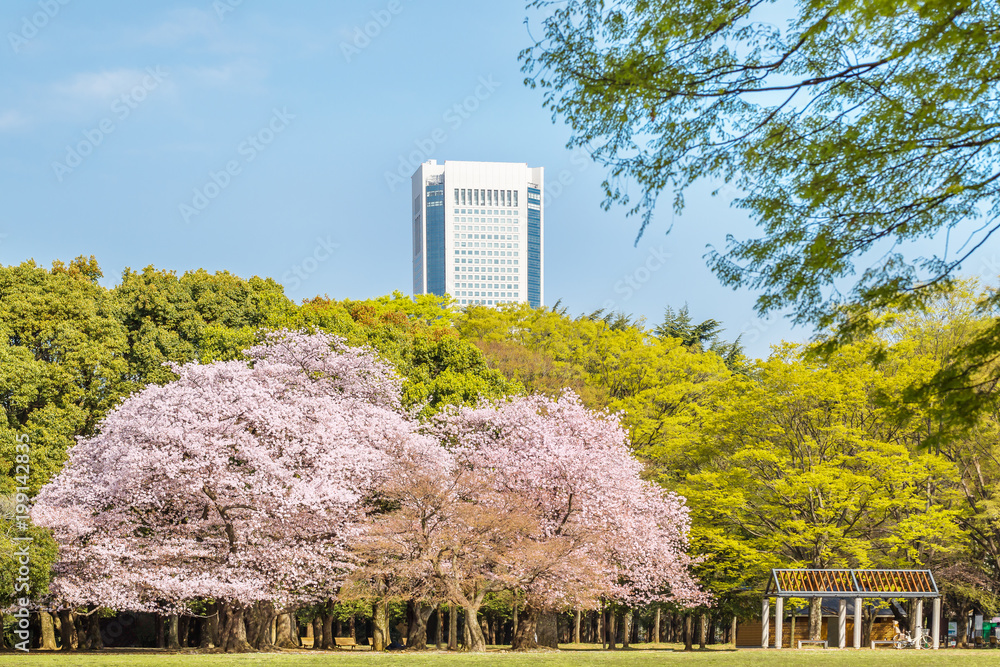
[210,627]
[328,634]
[172,639]
[184,631]
[688,632]
[439,628]
[94,640]
[527,624]
[232,628]
[317,626]
[547,629]
[416,637]
[82,635]
[452,627]
[703,629]
[627,629]
[963,627]
[612,630]
[259,621]
[67,630]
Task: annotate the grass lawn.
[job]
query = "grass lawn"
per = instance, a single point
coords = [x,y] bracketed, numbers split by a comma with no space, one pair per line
[570,655]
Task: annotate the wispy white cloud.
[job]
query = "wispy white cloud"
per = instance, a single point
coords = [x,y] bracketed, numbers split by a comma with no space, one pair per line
[12,120]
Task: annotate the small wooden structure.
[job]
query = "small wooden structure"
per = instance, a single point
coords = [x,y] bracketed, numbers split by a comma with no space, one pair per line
[846,584]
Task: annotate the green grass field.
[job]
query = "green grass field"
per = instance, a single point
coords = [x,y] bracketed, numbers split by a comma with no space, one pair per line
[570,655]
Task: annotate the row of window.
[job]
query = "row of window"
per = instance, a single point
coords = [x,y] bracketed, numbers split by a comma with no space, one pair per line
[491,237]
[474,244]
[476,211]
[465,218]
[485,197]
[485,228]
[491,253]
[464,260]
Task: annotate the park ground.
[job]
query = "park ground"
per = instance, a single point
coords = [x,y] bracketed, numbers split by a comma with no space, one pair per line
[569,656]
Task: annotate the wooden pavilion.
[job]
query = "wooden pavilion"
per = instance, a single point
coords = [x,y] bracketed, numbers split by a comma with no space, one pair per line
[850,584]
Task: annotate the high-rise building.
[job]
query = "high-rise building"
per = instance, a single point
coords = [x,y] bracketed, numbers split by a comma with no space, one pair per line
[478,232]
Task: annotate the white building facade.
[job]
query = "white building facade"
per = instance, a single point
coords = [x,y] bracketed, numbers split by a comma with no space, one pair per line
[478,232]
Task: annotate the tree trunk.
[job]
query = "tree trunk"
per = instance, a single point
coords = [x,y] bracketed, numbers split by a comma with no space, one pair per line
[172,640]
[328,634]
[963,627]
[210,627]
[577,620]
[612,630]
[688,633]
[475,641]
[791,633]
[259,621]
[380,620]
[655,636]
[317,626]
[527,623]
[232,628]
[416,637]
[82,635]
[48,631]
[627,629]
[67,630]
[602,626]
[815,618]
[732,629]
[184,631]
[547,629]
[703,629]
[94,640]
[439,628]
[284,634]
[452,627]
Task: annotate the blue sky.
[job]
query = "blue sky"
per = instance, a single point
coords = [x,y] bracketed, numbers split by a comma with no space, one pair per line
[256,137]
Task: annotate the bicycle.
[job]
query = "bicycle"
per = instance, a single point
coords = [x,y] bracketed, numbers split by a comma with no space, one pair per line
[904,640]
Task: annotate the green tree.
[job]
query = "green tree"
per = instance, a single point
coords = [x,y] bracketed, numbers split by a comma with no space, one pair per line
[62,362]
[851,129]
[804,467]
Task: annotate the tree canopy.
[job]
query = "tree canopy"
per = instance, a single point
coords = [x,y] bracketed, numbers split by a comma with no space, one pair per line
[850,129]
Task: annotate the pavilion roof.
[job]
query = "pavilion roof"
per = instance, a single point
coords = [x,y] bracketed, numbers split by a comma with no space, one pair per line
[805,583]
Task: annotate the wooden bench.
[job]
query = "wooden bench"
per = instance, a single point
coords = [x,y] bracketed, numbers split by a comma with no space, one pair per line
[891,642]
[813,641]
[345,642]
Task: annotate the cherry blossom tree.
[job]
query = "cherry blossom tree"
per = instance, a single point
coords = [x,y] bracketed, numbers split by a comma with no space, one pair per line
[573,467]
[238,481]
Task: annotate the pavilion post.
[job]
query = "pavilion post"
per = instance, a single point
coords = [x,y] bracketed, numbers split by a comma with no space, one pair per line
[857,622]
[936,623]
[765,622]
[842,624]
[919,622]
[779,620]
